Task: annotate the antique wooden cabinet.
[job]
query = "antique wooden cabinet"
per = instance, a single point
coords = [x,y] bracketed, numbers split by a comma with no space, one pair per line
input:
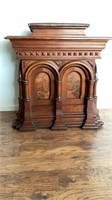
[57,77]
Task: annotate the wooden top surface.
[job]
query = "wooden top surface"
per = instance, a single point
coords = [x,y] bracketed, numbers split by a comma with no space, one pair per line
[58,31]
[76,38]
[58,36]
[59,24]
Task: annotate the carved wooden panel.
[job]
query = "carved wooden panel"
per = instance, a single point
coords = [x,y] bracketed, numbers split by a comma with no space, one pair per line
[73,85]
[42,85]
[42,82]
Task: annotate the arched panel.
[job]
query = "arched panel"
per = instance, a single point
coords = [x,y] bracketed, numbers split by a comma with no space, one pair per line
[73,85]
[42,94]
[42,86]
[74,90]
[30,67]
[85,66]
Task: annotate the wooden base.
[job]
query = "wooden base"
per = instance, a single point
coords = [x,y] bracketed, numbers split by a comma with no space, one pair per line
[96,125]
[23,126]
[17,123]
[29,126]
[58,127]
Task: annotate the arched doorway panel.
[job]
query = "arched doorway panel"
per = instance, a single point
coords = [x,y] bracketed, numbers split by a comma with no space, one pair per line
[42,93]
[75,89]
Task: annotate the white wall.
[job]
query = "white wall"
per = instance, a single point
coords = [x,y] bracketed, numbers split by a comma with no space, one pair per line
[14,19]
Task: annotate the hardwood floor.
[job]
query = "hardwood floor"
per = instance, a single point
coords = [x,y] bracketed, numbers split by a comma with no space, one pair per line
[56,165]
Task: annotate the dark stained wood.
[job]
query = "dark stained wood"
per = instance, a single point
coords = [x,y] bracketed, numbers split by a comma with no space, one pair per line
[56,165]
[57,77]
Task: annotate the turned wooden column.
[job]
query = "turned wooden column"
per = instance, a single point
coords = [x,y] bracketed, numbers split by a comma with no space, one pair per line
[90,120]
[28,121]
[59,121]
[20,114]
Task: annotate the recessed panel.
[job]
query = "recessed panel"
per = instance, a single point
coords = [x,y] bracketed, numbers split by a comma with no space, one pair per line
[42,85]
[73,85]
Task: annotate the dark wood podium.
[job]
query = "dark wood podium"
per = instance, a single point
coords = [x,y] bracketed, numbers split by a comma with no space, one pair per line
[57,77]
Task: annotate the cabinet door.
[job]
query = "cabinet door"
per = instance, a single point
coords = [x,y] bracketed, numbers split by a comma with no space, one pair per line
[43,92]
[73,95]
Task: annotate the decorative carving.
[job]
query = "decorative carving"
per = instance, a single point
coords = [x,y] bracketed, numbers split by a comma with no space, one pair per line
[58,62]
[42,85]
[73,85]
[59,53]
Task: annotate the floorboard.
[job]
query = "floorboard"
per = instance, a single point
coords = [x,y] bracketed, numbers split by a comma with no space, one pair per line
[56,165]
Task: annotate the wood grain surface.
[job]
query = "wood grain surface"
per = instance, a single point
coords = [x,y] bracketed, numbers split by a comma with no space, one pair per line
[56,165]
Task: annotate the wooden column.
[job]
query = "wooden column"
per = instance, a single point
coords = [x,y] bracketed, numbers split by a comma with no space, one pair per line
[27,122]
[18,122]
[59,122]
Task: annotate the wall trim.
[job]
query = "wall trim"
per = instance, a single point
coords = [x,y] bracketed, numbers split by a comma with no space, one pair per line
[9,108]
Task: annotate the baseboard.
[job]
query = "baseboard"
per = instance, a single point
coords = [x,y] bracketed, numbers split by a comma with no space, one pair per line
[15,108]
[9,108]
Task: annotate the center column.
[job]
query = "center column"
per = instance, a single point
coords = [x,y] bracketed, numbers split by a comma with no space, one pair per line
[59,122]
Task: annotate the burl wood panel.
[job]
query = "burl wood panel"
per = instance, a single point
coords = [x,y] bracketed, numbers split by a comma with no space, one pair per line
[73,85]
[56,165]
[42,85]
[57,77]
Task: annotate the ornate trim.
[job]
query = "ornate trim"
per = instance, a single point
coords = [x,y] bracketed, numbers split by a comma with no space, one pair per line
[58,53]
[58,62]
